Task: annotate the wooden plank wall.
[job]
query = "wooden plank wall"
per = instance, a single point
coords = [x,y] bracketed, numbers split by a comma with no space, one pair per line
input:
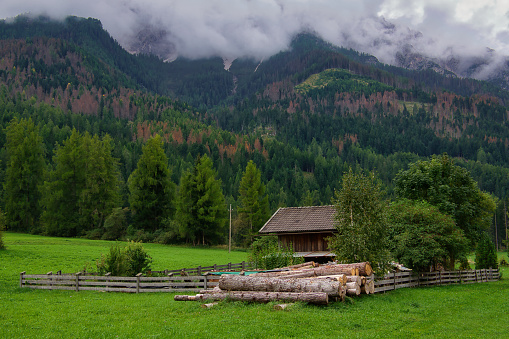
[311,242]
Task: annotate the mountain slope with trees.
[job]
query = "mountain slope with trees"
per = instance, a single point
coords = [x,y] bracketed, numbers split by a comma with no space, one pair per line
[302,117]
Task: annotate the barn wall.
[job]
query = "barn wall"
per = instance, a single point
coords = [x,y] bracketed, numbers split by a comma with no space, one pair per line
[305,242]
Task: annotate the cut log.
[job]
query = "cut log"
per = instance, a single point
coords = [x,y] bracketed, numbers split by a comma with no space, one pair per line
[354,291]
[300,266]
[352,285]
[317,298]
[354,278]
[297,274]
[267,284]
[342,278]
[185,298]
[364,268]
[280,307]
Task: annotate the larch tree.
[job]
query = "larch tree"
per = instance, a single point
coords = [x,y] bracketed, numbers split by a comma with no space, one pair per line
[82,189]
[201,210]
[23,175]
[151,191]
[361,222]
[254,205]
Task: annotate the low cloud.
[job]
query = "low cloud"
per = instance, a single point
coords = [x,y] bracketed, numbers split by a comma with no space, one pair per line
[260,28]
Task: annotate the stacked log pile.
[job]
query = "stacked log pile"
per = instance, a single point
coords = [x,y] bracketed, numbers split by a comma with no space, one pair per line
[309,282]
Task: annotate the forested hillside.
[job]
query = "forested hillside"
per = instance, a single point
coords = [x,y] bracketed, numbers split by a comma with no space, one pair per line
[303,117]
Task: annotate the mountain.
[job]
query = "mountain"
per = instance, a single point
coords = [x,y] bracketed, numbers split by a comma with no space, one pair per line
[303,116]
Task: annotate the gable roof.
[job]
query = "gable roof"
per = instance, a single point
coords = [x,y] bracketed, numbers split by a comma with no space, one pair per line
[301,220]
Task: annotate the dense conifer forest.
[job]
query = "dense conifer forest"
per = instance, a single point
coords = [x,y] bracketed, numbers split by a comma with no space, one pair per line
[302,118]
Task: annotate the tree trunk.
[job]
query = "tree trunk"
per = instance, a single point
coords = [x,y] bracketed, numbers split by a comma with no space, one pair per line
[318,298]
[349,269]
[266,284]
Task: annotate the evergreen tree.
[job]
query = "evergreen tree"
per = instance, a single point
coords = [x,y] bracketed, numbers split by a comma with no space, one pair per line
[254,204]
[82,189]
[485,253]
[361,222]
[151,191]
[23,175]
[201,208]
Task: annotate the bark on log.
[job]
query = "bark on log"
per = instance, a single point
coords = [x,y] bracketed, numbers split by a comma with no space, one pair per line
[352,285]
[342,278]
[264,284]
[184,298]
[317,298]
[364,268]
[297,274]
[280,307]
[300,266]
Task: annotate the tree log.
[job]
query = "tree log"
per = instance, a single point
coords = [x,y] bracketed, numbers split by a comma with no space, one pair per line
[267,284]
[354,291]
[208,305]
[317,298]
[354,278]
[303,265]
[364,268]
[280,307]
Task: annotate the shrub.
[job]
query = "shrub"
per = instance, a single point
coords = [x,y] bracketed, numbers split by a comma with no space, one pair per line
[503,262]
[125,261]
[267,254]
[115,225]
[2,227]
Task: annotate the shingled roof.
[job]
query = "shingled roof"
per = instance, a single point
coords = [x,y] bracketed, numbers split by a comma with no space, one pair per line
[301,220]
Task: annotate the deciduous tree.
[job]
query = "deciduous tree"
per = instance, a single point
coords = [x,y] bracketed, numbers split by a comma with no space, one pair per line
[361,221]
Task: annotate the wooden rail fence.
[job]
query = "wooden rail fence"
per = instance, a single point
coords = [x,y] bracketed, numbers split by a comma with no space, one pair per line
[80,282]
[193,283]
[242,266]
[394,281]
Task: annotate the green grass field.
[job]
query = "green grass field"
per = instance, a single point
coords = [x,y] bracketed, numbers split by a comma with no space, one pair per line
[466,311]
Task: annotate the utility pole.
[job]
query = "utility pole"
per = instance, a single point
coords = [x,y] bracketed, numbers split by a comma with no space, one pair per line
[230,235]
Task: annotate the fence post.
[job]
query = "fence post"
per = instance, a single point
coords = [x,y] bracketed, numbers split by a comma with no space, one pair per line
[21,275]
[440,278]
[49,278]
[138,282]
[78,281]
[243,265]
[215,267]
[229,266]
[394,280]
[199,270]
[205,277]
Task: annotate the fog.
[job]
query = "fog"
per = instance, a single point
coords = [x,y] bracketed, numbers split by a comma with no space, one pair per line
[260,28]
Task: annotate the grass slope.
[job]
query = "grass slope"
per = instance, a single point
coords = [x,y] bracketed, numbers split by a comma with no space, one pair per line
[474,310]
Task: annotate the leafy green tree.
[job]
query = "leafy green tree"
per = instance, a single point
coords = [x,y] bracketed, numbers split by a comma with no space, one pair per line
[2,227]
[485,253]
[267,254]
[23,175]
[82,189]
[201,205]
[422,237]
[361,222]
[254,204]
[152,192]
[450,188]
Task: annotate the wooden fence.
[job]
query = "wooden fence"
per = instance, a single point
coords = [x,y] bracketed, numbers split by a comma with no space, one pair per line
[82,282]
[394,281]
[242,266]
[169,283]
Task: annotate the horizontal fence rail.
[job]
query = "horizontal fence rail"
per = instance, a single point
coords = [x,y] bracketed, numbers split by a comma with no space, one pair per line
[138,284]
[242,266]
[88,282]
[397,280]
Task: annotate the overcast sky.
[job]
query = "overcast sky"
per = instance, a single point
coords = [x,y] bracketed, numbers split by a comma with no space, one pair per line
[259,28]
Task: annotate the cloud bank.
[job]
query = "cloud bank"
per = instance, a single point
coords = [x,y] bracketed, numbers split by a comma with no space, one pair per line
[260,28]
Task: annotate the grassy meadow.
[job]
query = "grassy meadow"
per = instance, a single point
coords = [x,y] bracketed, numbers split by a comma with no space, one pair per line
[468,311]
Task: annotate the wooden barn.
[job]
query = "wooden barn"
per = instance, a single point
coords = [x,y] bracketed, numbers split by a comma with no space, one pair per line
[305,228]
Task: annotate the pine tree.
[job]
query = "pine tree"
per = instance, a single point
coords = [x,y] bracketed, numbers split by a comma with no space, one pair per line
[151,191]
[254,204]
[23,175]
[201,208]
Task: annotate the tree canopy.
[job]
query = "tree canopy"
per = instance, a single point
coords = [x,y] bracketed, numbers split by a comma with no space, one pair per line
[201,210]
[361,221]
[23,175]
[422,237]
[152,192]
[451,189]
